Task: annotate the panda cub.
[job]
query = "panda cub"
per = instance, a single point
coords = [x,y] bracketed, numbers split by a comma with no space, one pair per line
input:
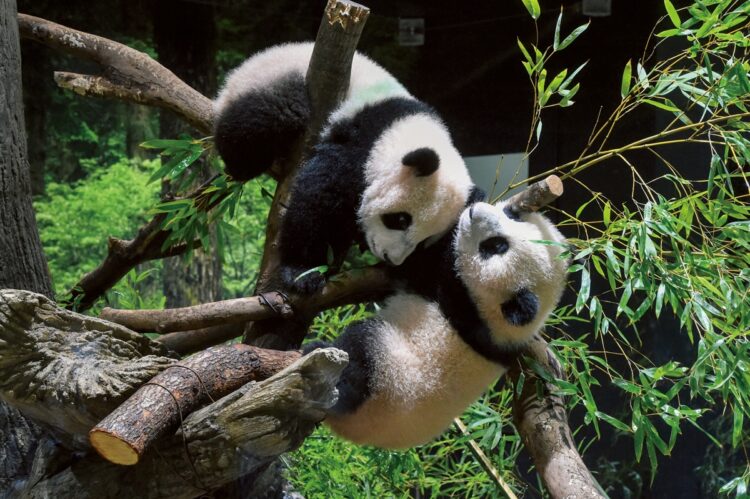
[469,303]
[384,171]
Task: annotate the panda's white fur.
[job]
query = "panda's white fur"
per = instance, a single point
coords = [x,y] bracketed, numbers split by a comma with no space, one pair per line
[528,264]
[424,375]
[424,366]
[433,201]
[369,81]
[358,171]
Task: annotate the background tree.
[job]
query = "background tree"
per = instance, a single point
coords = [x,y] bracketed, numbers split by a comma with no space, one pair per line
[22,262]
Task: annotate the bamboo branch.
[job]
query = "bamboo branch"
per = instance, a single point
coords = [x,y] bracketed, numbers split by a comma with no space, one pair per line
[128,74]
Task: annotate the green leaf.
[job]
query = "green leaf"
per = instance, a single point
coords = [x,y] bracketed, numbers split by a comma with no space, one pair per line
[556,40]
[614,422]
[737,426]
[662,105]
[525,52]
[584,291]
[533,7]
[672,13]
[573,35]
[321,269]
[625,83]
[607,214]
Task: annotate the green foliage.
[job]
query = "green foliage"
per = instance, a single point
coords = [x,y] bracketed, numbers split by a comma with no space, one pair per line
[244,236]
[680,247]
[75,219]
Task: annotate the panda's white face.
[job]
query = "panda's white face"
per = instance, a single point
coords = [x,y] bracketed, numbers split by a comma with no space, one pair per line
[417,185]
[514,280]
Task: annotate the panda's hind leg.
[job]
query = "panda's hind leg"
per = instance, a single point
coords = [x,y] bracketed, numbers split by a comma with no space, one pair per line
[261,125]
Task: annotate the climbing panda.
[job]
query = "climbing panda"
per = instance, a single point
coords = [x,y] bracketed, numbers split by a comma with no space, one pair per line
[466,307]
[384,171]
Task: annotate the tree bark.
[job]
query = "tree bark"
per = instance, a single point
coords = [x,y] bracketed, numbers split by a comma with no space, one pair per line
[36,100]
[22,262]
[186,43]
[69,371]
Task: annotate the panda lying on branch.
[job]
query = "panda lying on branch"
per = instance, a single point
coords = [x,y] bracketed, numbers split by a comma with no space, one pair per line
[467,305]
[384,171]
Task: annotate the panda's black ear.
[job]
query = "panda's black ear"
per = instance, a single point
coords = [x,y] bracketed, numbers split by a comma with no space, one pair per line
[424,160]
[521,309]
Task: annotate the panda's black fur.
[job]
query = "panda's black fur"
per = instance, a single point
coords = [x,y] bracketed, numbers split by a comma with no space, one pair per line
[264,108]
[273,118]
[432,274]
[321,212]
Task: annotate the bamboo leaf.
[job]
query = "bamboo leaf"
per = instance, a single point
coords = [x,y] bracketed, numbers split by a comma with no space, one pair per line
[625,83]
[672,13]
[573,35]
[533,7]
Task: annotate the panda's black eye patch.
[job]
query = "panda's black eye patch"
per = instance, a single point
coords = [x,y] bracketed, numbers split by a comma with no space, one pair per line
[493,246]
[396,221]
[512,213]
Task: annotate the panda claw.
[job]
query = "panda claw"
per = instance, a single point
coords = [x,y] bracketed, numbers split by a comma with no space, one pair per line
[305,285]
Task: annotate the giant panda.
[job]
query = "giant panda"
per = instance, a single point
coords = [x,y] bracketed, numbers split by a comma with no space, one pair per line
[468,304]
[384,171]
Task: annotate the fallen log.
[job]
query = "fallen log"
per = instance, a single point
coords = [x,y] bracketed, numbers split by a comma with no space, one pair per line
[159,405]
[68,371]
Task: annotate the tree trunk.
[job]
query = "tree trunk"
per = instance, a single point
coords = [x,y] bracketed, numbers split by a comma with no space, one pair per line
[185,42]
[36,100]
[22,262]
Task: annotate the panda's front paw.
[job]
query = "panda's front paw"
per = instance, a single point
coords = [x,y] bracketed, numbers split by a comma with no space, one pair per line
[300,281]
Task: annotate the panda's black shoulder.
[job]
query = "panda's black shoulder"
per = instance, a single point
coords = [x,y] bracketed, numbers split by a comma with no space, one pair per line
[364,127]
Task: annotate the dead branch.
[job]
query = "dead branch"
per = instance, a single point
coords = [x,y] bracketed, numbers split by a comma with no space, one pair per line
[128,74]
[351,287]
[159,405]
[195,340]
[543,425]
[327,81]
[68,371]
[538,195]
[238,310]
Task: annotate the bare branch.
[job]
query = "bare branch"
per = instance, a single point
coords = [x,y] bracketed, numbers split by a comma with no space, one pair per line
[543,425]
[538,194]
[351,287]
[128,74]
[157,407]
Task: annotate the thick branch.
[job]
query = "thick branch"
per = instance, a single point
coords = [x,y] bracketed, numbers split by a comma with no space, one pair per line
[327,81]
[68,371]
[128,74]
[159,405]
[355,286]
[543,425]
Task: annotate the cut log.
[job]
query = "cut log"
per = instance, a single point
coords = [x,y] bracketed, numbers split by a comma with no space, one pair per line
[68,370]
[159,405]
[538,195]
[235,436]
